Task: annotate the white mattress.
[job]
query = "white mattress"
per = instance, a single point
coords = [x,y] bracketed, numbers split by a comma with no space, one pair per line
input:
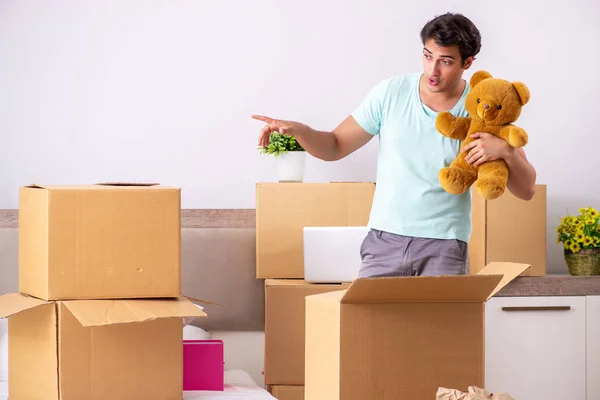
[238,385]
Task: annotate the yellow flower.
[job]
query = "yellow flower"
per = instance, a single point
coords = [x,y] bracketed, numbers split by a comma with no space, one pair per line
[575,247]
[597,240]
[578,227]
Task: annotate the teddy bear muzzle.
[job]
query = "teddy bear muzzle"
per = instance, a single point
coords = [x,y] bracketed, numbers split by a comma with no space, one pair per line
[487,110]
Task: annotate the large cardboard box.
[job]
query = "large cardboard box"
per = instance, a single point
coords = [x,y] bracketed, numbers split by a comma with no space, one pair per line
[287,392]
[95,349]
[284,209]
[509,229]
[284,328]
[400,338]
[99,241]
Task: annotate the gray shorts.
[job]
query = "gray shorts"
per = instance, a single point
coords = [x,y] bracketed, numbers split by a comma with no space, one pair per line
[388,254]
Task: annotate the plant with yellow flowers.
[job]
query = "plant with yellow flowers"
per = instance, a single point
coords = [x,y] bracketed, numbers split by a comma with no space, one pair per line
[581,231]
[580,236]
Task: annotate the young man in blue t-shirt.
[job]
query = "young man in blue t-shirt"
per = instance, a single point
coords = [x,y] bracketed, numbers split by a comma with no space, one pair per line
[416,227]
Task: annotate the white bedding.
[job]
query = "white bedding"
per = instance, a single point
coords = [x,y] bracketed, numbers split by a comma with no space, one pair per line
[238,385]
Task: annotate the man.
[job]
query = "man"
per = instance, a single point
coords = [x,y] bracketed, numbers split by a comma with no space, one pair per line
[416,227]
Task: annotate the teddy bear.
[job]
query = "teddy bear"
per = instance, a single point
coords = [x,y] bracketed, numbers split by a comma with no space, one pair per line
[493,105]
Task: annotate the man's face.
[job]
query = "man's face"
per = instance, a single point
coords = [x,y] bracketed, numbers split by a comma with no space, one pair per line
[442,66]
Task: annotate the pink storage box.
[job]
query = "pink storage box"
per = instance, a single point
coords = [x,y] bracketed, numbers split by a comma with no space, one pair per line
[203,366]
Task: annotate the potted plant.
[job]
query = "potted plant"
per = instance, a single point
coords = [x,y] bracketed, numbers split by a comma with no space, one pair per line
[580,236]
[289,155]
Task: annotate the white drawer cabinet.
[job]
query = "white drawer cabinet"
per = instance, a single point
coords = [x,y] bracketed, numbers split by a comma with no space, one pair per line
[593,348]
[536,347]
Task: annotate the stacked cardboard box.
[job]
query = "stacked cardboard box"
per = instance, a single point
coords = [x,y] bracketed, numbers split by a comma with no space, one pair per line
[99,309]
[282,211]
[321,338]
[509,229]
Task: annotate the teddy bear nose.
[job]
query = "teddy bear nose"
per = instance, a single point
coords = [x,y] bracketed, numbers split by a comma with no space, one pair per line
[486,106]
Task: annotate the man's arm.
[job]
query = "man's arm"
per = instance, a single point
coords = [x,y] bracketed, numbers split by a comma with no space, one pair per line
[521,175]
[486,147]
[350,135]
[346,138]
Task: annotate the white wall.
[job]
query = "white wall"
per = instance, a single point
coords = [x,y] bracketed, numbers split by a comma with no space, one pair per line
[163,90]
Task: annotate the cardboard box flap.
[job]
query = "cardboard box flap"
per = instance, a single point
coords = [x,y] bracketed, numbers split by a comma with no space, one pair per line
[109,312]
[96,186]
[422,289]
[127,184]
[60,187]
[508,270]
[202,301]
[14,303]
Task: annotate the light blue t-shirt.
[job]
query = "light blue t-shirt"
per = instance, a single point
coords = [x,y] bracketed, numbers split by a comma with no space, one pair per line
[409,199]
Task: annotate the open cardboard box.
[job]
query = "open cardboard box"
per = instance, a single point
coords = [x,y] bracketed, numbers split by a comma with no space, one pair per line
[95,349]
[400,338]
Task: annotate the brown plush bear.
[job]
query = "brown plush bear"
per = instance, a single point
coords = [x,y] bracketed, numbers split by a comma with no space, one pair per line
[493,105]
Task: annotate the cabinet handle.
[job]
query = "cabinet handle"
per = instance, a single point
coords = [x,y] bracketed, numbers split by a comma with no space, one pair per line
[537,308]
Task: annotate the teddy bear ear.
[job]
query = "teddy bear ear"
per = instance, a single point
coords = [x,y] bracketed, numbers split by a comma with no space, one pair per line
[523,92]
[479,76]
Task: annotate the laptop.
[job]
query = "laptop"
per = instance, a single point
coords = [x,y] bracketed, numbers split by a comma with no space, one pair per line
[332,253]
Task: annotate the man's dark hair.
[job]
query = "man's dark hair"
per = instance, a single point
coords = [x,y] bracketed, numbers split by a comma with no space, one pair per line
[453,29]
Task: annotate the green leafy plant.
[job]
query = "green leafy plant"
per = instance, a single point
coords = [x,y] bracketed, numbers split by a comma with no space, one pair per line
[280,143]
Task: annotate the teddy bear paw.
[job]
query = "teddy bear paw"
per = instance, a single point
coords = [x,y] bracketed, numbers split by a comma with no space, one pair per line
[454,180]
[444,122]
[490,189]
[517,137]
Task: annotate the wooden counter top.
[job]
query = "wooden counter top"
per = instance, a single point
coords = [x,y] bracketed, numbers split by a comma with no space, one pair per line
[552,285]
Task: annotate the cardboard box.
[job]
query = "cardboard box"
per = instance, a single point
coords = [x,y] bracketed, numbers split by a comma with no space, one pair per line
[287,392]
[509,229]
[400,338]
[95,349]
[99,241]
[284,209]
[284,328]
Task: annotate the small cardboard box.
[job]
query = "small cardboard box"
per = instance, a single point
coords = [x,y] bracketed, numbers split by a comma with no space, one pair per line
[509,229]
[284,209]
[284,328]
[400,338]
[95,349]
[281,392]
[99,241]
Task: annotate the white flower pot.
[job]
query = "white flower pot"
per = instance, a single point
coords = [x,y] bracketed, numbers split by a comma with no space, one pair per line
[290,166]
